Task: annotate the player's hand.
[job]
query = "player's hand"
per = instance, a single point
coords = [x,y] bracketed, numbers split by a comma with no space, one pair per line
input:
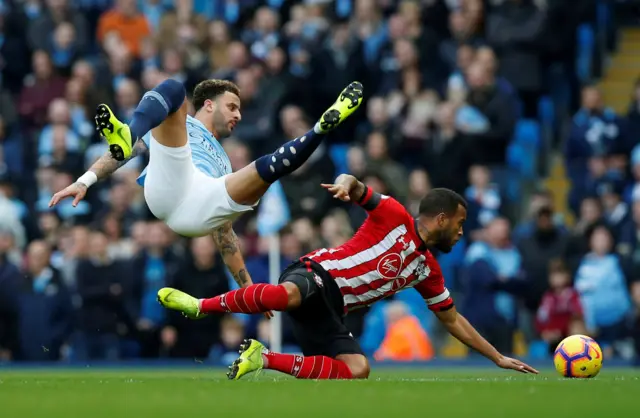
[339,191]
[77,190]
[268,315]
[517,365]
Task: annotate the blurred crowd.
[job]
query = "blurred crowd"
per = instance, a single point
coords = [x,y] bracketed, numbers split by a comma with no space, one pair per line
[447,83]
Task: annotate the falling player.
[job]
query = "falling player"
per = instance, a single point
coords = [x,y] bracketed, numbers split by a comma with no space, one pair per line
[388,254]
[189,183]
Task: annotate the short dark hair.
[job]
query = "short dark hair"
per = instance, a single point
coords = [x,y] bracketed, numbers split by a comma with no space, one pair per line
[210,89]
[441,200]
[557,265]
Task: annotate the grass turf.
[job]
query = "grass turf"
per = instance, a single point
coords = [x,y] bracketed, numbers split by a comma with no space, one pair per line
[404,393]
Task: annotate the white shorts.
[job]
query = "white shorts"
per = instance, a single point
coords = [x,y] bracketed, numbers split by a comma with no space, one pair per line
[187,200]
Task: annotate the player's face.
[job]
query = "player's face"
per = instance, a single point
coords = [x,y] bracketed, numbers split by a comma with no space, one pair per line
[451,230]
[226,114]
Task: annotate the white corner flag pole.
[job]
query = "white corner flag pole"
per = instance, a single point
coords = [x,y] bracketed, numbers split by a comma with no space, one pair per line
[275,343]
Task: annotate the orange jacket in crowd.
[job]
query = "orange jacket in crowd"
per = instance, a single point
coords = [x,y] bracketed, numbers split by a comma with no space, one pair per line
[132,30]
[405,341]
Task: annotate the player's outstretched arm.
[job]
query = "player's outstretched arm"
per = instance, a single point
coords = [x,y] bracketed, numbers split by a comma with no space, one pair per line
[229,246]
[346,188]
[459,327]
[101,169]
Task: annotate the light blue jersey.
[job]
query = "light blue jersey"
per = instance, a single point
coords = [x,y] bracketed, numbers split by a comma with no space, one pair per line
[206,152]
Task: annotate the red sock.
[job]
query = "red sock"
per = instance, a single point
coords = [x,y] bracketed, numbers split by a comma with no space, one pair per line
[256,298]
[315,367]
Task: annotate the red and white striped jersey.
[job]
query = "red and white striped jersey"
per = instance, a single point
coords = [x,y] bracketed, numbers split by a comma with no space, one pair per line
[385,256]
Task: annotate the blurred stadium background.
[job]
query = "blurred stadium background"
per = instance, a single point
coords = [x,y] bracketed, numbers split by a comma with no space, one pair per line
[530,108]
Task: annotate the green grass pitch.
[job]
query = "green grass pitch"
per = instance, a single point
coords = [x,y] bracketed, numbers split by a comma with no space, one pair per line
[389,393]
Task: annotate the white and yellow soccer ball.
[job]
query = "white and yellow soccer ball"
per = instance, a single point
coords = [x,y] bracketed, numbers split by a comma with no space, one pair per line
[578,356]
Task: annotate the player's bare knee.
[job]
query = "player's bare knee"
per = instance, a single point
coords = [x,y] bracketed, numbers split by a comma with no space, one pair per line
[294,297]
[358,365]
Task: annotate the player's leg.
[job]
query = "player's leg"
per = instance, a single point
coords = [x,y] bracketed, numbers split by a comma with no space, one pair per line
[257,298]
[330,352]
[351,365]
[254,356]
[170,173]
[155,109]
[249,184]
[296,285]
[358,365]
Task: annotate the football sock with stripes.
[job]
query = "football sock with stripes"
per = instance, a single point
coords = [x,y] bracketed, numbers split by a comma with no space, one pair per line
[314,367]
[165,99]
[256,298]
[289,157]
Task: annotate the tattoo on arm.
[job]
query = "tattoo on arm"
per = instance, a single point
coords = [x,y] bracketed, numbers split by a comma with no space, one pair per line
[106,165]
[229,245]
[241,277]
[226,240]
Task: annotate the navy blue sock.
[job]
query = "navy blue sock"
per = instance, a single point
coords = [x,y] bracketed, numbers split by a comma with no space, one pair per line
[165,99]
[289,157]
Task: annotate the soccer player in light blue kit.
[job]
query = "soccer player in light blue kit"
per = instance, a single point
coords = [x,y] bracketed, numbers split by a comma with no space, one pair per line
[189,183]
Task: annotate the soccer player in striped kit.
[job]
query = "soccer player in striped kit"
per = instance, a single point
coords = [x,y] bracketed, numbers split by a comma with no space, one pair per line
[389,253]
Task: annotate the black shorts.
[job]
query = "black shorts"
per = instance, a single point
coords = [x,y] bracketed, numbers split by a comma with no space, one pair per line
[318,323]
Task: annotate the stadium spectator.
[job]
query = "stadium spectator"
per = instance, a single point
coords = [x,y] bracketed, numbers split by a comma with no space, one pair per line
[483,198]
[488,118]
[515,30]
[203,274]
[635,293]
[463,32]
[341,59]
[379,160]
[560,312]
[10,223]
[546,243]
[304,195]
[446,142]
[633,114]
[104,286]
[492,275]
[59,144]
[419,186]
[539,199]
[10,279]
[628,245]
[45,313]
[404,340]
[59,20]
[590,214]
[596,131]
[14,50]
[126,24]
[155,267]
[11,150]
[616,211]
[231,335]
[40,89]
[604,295]
[127,97]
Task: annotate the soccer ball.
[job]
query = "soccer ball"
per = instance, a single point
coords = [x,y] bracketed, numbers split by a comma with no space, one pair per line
[578,356]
